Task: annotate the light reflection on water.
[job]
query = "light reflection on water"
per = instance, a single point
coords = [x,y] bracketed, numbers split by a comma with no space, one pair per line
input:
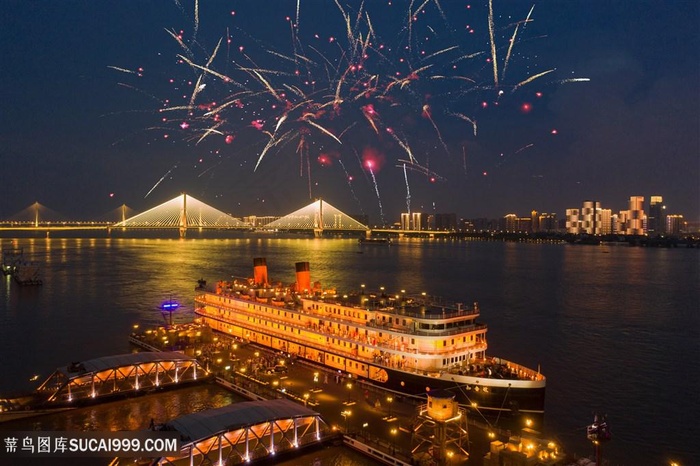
[134,413]
[613,328]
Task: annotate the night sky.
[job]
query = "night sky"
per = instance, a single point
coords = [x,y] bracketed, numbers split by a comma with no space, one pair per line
[100,106]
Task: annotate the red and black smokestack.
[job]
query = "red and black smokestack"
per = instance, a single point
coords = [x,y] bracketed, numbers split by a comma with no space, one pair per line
[260,271]
[303,277]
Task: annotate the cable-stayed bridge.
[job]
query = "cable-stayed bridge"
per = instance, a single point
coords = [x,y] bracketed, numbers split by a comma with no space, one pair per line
[185,212]
[182,212]
[317,216]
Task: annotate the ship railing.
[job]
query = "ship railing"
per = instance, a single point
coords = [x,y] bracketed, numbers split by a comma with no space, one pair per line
[426,333]
[491,368]
[426,313]
[524,371]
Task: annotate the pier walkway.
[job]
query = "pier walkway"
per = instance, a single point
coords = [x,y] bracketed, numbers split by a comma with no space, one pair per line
[244,432]
[372,420]
[119,374]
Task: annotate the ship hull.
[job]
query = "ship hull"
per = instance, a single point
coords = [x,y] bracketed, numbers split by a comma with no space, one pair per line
[491,398]
[491,401]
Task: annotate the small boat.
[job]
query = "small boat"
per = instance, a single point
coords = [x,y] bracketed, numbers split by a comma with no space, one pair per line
[10,260]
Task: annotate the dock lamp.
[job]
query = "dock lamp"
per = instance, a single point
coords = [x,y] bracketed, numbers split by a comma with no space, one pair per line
[346,414]
[168,307]
[393,432]
[390,400]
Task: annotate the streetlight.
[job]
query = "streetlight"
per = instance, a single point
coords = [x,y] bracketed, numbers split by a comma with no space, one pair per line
[349,401]
[306,399]
[393,431]
[390,400]
[346,414]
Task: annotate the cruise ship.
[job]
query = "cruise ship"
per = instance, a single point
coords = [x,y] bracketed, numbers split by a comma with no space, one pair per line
[409,344]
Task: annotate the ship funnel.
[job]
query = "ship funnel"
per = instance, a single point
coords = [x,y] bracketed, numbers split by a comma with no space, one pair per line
[303,277]
[260,271]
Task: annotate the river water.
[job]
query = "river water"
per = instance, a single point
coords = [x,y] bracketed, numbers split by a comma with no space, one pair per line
[615,329]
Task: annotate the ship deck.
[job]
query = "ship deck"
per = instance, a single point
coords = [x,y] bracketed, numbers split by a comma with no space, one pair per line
[489,367]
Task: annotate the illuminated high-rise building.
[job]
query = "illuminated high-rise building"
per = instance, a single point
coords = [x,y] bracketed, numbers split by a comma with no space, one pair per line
[534,221]
[547,222]
[510,223]
[616,224]
[405,221]
[445,222]
[413,221]
[572,221]
[606,221]
[635,216]
[590,218]
[417,221]
[675,225]
[656,223]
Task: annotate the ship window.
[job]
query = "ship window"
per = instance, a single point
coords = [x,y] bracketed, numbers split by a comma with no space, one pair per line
[444,342]
[453,341]
[413,341]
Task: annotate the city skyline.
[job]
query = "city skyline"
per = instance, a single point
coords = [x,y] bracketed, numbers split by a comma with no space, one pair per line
[599,101]
[652,217]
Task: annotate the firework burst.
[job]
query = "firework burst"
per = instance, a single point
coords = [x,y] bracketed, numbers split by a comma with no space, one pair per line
[397,87]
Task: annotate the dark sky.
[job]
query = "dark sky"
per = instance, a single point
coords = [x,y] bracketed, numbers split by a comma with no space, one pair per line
[85,83]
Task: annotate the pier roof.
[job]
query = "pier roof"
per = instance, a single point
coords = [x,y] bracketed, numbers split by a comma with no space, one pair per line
[122,360]
[204,424]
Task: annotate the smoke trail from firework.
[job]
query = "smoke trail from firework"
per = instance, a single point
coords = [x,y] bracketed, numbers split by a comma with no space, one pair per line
[432,176]
[376,191]
[512,42]
[427,114]
[308,172]
[493,45]
[464,159]
[160,180]
[408,190]
[530,79]
[404,145]
[352,190]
